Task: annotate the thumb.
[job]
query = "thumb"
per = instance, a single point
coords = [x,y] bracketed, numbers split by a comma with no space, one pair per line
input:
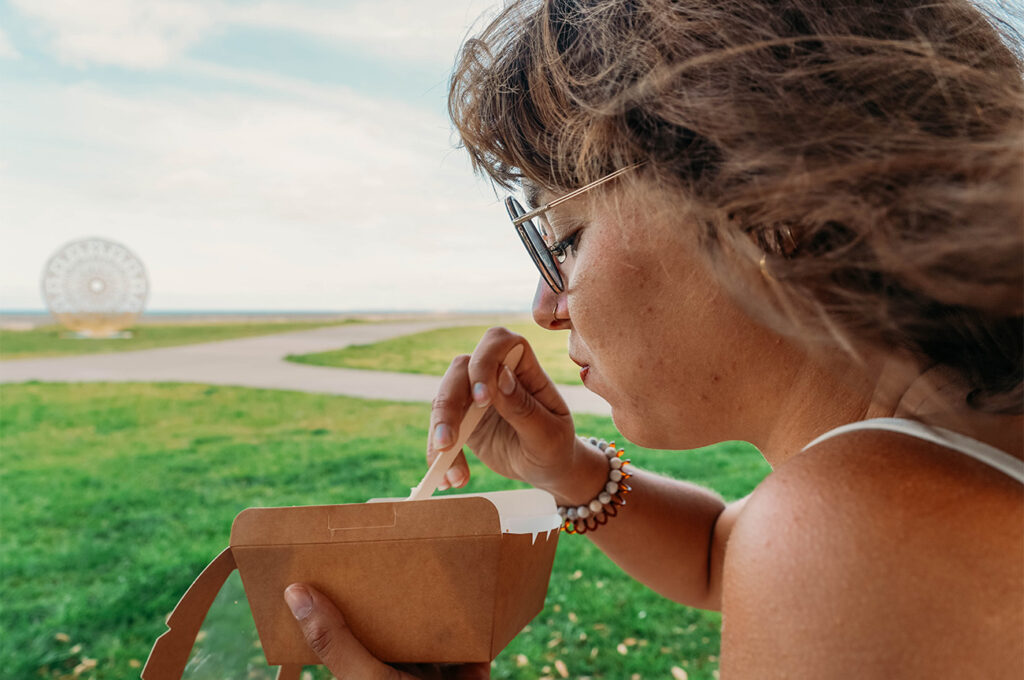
[330,638]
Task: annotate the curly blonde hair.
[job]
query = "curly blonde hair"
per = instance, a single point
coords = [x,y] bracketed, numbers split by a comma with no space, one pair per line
[869,155]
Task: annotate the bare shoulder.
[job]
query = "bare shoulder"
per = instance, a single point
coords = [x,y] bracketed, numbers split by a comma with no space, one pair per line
[877,555]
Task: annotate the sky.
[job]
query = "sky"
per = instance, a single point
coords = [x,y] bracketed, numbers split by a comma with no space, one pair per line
[259,155]
[268,155]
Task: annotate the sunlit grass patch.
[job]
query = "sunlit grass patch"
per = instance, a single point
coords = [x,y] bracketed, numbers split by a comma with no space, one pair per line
[431,352]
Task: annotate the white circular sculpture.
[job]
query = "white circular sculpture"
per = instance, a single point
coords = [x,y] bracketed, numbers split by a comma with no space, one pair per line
[95,287]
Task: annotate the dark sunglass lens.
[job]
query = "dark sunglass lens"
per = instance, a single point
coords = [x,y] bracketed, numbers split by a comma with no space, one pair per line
[534,243]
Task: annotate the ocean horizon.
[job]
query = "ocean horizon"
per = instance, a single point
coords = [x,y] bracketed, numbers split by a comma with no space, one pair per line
[271,312]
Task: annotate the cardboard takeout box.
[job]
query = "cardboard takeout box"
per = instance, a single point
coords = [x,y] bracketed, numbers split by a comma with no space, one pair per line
[447,579]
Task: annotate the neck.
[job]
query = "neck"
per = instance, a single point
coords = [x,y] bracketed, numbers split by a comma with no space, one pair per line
[815,401]
[819,399]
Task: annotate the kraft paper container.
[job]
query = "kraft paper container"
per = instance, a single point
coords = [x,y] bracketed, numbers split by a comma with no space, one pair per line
[447,579]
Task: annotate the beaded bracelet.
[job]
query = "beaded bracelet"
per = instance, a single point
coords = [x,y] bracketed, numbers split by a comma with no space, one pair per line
[584,518]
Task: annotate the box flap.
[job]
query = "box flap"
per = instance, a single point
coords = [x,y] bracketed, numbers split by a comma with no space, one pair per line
[520,511]
[445,517]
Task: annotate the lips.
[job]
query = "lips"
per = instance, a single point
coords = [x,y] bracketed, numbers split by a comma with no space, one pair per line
[584,367]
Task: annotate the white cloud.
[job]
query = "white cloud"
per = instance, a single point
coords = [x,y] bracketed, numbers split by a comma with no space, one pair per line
[400,29]
[301,197]
[145,34]
[7,50]
[132,33]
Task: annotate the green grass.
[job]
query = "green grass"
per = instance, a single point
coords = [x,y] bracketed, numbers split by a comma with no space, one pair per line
[52,341]
[431,352]
[113,497]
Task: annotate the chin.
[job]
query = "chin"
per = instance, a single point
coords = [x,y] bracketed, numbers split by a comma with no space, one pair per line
[651,435]
[636,430]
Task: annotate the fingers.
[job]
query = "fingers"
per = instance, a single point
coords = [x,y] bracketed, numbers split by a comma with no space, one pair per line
[517,395]
[457,475]
[447,410]
[329,637]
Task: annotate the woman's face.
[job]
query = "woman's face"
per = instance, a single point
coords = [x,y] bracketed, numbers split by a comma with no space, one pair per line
[676,359]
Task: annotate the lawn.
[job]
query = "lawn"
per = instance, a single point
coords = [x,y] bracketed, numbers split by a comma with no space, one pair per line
[52,341]
[113,497]
[430,352]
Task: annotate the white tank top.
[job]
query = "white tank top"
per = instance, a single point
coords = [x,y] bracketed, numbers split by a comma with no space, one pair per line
[989,455]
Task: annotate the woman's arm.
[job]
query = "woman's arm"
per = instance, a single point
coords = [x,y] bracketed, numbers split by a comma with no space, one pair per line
[670,535]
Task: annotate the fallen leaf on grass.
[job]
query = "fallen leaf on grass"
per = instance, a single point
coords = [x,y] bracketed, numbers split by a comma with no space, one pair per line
[560,667]
[679,674]
[86,665]
[62,637]
[521,660]
[622,649]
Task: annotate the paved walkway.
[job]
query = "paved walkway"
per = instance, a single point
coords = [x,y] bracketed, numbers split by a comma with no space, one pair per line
[260,362]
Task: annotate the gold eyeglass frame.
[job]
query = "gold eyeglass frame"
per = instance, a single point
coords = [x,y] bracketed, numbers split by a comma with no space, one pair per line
[552,278]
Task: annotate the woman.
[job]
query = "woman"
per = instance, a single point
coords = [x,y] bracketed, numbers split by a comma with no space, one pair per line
[795,216]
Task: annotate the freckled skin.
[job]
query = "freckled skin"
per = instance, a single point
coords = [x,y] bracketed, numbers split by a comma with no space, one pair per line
[662,339]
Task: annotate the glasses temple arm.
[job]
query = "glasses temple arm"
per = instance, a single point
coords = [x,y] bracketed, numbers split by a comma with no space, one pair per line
[571,195]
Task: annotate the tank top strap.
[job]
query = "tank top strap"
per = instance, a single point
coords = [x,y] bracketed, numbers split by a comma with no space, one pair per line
[980,451]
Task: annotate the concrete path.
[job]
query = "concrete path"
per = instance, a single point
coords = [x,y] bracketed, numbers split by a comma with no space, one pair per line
[260,362]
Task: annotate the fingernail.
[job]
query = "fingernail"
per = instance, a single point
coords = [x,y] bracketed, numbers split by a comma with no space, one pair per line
[442,436]
[480,394]
[506,381]
[299,601]
[455,477]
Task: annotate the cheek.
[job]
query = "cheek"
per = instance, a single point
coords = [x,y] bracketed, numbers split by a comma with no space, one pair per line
[618,309]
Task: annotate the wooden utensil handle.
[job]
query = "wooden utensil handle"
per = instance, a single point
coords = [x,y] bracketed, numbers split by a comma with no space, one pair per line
[428,485]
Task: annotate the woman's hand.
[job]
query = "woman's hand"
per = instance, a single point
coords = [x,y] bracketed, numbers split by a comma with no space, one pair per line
[527,434]
[345,657]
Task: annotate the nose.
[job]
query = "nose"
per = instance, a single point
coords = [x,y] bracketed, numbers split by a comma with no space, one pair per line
[550,309]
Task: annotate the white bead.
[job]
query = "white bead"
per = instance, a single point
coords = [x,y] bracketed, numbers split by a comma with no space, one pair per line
[593,441]
[572,513]
[615,475]
[616,463]
[583,512]
[562,511]
[604,498]
[602,444]
[611,487]
[596,506]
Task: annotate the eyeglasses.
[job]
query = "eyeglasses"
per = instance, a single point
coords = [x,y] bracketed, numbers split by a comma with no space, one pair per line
[548,257]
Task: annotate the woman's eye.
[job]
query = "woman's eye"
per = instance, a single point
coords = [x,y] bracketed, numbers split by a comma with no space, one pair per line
[565,246]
